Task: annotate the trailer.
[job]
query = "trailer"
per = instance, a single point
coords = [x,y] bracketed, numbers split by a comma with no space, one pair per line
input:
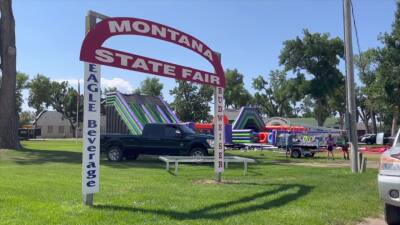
[299,150]
[251,146]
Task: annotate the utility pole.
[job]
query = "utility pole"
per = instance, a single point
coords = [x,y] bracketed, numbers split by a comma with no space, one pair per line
[351,99]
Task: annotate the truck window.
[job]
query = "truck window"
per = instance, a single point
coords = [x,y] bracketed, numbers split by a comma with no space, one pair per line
[153,131]
[171,132]
[186,130]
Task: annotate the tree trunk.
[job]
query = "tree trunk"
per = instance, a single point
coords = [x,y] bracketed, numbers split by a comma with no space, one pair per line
[8,110]
[366,124]
[373,118]
[320,112]
[395,120]
[73,128]
[341,121]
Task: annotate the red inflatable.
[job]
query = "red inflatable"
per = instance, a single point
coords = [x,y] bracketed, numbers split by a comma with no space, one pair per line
[286,128]
[208,126]
[375,150]
[263,137]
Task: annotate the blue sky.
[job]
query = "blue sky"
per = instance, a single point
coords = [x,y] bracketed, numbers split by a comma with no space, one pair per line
[248,34]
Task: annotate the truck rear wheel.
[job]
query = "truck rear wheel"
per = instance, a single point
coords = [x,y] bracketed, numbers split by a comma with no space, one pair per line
[296,153]
[392,214]
[114,154]
[198,152]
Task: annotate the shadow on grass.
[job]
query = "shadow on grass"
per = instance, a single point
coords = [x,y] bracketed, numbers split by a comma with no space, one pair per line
[34,156]
[281,195]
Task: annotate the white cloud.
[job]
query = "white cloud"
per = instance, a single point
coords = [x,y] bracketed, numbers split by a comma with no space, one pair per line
[122,85]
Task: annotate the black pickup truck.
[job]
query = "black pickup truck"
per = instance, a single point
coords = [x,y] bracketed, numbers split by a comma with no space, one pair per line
[156,139]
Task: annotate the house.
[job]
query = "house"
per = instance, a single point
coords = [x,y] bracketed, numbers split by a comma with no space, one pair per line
[53,125]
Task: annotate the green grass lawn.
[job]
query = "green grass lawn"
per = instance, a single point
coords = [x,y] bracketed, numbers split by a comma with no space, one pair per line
[42,185]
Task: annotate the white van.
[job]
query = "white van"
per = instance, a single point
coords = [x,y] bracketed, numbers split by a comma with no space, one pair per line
[389,182]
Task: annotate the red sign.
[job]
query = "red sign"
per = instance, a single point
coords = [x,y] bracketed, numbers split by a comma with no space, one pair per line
[92,50]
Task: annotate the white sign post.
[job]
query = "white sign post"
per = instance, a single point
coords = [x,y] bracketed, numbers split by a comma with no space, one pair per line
[91,122]
[91,133]
[219,132]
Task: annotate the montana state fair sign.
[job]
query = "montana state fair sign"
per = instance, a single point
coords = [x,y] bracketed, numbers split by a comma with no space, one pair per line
[94,54]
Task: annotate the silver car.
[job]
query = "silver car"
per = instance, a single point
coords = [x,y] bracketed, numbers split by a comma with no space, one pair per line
[389,182]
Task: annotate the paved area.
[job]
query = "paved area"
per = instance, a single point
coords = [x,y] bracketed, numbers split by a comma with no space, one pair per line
[370,164]
[373,221]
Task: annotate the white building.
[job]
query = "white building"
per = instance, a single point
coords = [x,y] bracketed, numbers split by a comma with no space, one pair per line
[53,125]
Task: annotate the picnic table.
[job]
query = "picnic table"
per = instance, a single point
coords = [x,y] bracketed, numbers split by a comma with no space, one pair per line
[204,159]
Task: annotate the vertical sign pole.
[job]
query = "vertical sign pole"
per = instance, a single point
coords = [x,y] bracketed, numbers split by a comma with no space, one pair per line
[91,127]
[219,131]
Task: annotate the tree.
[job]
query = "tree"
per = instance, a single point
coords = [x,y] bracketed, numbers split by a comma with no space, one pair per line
[388,71]
[191,101]
[26,118]
[8,107]
[59,95]
[306,106]
[150,86]
[275,97]
[63,99]
[362,110]
[317,55]
[22,83]
[235,93]
[110,89]
[371,94]
[337,102]
[40,88]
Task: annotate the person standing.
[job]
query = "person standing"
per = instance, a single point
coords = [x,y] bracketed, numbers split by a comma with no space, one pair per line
[330,143]
[289,145]
[345,149]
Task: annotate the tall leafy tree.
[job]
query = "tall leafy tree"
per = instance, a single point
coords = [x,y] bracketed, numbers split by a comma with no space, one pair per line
[110,89]
[276,96]
[58,95]
[306,106]
[22,83]
[388,71]
[8,107]
[26,118]
[63,99]
[150,86]
[235,93]
[337,102]
[318,56]
[40,90]
[191,101]
[371,94]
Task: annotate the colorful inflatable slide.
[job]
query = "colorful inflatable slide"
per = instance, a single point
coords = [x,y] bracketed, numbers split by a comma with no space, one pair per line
[129,113]
[249,118]
[246,126]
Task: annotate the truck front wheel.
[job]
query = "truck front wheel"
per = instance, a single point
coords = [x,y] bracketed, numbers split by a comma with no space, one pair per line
[392,214]
[114,154]
[198,152]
